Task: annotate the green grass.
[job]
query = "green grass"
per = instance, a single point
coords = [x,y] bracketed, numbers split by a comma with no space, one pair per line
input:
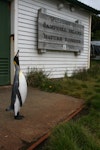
[82,133]
[71,136]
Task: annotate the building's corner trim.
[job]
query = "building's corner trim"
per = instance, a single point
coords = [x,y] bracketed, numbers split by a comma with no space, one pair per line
[15,26]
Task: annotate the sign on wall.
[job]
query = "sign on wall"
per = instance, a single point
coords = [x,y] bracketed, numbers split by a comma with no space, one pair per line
[58,34]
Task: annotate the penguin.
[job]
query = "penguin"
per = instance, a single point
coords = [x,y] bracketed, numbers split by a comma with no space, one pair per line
[19,90]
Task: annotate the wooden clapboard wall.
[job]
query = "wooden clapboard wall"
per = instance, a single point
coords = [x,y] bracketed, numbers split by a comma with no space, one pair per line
[54,62]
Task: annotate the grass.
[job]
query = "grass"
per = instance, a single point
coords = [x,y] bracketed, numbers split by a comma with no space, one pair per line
[82,133]
[71,136]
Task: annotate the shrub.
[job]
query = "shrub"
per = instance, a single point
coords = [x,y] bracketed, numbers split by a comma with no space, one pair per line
[36,77]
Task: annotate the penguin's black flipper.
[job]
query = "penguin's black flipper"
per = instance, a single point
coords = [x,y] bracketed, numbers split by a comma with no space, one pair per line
[13,97]
[14,91]
[19,97]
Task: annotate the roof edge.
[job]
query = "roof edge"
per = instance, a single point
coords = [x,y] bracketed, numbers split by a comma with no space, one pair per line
[78,3]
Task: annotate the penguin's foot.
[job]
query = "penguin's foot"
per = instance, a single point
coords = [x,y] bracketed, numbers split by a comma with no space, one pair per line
[9,108]
[18,117]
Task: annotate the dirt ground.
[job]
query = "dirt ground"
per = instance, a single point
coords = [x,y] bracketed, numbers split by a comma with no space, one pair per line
[42,111]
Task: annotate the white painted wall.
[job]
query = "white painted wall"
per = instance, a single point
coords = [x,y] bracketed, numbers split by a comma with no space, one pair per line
[55,63]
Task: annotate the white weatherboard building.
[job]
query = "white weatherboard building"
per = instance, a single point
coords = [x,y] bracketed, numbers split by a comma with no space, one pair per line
[53,35]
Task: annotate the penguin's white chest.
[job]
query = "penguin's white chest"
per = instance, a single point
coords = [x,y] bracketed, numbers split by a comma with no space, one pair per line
[22,86]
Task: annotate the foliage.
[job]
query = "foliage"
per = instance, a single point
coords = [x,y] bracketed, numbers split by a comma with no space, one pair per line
[71,136]
[86,75]
[38,78]
[80,85]
[96,35]
[95,27]
[95,23]
[35,77]
[82,133]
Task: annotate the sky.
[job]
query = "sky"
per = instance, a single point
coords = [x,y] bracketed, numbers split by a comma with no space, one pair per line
[92,3]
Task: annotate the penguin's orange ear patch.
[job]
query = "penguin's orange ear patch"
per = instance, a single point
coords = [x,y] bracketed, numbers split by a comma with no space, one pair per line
[14,62]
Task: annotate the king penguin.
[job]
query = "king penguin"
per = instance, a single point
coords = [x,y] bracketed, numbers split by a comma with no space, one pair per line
[19,90]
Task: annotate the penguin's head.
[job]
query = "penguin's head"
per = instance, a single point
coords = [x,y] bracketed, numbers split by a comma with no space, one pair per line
[16,59]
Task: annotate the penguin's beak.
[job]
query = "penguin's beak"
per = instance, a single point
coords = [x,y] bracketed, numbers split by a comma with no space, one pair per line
[17,54]
[16,58]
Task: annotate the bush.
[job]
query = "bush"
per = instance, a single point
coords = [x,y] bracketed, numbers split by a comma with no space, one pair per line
[36,77]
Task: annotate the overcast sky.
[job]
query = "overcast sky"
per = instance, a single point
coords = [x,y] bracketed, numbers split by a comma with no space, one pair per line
[92,3]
